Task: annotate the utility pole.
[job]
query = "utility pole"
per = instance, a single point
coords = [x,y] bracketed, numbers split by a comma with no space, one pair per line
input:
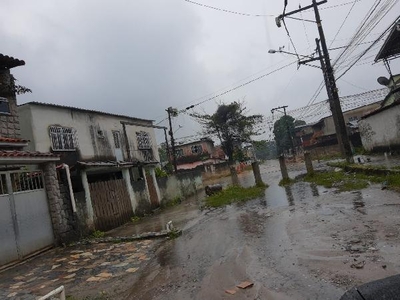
[287,126]
[167,145]
[172,113]
[330,82]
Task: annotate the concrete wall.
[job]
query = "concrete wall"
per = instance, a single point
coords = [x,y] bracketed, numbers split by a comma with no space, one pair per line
[381,132]
[36,119]
[350,115]
[180,185]
[143,205]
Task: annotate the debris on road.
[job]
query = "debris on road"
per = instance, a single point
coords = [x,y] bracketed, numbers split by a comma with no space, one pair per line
[245,285]
[358,265]
[231,292]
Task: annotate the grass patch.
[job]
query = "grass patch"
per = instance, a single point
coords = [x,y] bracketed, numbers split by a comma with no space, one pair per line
[286,182]
[135,219]
[340,180]
[97,234]
[234,194]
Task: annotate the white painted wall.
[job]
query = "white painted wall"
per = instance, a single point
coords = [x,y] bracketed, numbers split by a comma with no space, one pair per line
[381,129]
[36,119]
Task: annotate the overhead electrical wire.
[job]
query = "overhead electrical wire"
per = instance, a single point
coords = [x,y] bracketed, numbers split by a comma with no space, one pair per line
[344,22]
[226,10]
[369,48]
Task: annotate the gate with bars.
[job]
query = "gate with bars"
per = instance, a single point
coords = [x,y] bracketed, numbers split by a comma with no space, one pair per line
[25,223]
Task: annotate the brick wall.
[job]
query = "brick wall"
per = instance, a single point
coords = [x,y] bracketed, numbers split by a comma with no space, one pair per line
[60,214]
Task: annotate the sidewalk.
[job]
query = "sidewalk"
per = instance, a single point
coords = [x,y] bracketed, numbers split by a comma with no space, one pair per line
[81,269]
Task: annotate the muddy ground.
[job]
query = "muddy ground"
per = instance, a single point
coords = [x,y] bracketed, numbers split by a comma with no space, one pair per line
[297,242]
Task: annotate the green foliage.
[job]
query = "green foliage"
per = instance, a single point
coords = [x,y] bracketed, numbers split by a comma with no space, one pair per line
[283,131]
[135,219]
[12,88]
[162,152]
[232,126]
[97,234]
[177,200]
[341,180]
[173,234]
[265,149]
[286,182]
[234,194]
[160,172]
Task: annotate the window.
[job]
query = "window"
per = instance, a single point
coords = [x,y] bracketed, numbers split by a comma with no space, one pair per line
[197,149]
[100,134]
[4,106]
[143,140]
[62,138]
[117,139]
[179,152]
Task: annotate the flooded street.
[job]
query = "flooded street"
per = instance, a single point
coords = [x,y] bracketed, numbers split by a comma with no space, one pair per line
[297,242]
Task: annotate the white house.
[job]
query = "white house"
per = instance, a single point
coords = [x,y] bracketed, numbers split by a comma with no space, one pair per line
[102,151]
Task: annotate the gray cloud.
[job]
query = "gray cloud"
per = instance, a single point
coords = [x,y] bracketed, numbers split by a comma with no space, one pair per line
[139,57]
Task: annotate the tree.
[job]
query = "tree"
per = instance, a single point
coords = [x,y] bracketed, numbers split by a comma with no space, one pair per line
[283,130]
[265,149]
[233,128]
[231,125]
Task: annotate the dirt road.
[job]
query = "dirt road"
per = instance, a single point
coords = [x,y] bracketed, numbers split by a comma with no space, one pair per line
[299,242]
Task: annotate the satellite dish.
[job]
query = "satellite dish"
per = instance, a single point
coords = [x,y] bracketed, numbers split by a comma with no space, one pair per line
[383,81]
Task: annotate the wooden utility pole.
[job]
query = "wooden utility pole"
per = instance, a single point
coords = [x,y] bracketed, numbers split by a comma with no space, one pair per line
[330,82]
[172,112]
[287,126]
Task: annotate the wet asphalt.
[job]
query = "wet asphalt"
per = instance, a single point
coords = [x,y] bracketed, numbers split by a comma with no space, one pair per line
[222,247]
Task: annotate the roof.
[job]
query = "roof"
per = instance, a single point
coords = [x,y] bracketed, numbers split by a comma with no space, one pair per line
[391,47]
[396,103]
[14,156]
[83,110]
[8,62]
[195,142]
[13,140]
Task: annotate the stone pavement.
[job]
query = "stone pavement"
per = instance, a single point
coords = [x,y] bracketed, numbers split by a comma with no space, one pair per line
[87,266]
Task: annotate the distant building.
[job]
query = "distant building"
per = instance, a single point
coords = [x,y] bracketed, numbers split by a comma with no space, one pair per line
[321,136]
[201,154]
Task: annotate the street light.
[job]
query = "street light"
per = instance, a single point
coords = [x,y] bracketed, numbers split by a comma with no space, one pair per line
[273,51]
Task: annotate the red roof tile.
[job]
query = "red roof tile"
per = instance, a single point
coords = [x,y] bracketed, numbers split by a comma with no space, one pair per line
[12,140]
[25,154]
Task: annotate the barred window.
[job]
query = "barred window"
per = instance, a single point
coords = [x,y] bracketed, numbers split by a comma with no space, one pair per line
[117,139]
[62,138]
[197,149]
[143,140]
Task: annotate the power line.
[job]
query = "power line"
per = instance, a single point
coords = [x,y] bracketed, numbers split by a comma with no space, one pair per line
[226,10]
[362,54]
[344,21]
[243,84]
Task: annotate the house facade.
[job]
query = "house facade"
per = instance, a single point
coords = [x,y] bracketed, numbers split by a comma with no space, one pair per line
[201,154]
[321,136]
[80,135]
[110,159]
[380,129]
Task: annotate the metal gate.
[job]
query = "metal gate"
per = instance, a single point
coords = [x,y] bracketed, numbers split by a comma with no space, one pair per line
[25,224]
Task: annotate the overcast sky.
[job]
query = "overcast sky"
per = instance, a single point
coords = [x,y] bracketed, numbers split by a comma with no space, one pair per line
[139,57]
